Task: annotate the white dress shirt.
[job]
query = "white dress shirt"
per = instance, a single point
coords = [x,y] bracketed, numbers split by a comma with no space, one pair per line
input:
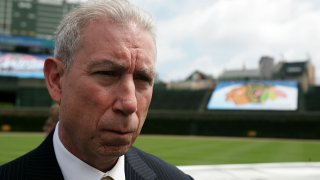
[75,169]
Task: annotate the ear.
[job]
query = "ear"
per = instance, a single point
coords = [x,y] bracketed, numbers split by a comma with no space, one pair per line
[53,72]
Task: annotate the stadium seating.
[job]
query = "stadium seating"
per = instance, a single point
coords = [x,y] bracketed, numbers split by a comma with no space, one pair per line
[179,99]
[312,99]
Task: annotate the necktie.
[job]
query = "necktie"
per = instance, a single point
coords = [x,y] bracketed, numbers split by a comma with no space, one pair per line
[106,178]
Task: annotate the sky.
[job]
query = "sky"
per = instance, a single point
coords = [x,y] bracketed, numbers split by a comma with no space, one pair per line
[217,35]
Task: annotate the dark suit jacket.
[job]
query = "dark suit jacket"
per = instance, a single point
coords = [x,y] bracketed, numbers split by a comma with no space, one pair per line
[41,164]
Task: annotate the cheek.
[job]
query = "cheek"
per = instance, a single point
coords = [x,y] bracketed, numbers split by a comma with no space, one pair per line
[94,95]
[87,101]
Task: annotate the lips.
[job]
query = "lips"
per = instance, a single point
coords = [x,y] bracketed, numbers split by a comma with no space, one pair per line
[116,137]
[120,132]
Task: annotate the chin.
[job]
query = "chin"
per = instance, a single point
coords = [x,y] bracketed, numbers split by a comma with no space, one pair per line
[113,151]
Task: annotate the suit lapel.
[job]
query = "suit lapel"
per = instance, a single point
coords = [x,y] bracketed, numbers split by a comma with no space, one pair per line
[136,168]
[43,163]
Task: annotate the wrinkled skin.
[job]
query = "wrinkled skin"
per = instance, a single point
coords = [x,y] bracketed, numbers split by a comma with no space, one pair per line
[105,95]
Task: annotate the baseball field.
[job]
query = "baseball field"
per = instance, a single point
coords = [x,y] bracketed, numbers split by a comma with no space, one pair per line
[192,150]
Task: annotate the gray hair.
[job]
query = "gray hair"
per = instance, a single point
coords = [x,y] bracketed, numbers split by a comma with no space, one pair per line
[68,35]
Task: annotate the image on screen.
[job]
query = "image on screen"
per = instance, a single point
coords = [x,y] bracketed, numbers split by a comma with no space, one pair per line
[255,95]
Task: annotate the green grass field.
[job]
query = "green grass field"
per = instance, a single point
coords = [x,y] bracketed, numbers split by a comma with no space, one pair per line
[187,150]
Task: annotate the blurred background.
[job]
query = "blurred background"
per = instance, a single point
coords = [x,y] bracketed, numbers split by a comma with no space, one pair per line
[237,82]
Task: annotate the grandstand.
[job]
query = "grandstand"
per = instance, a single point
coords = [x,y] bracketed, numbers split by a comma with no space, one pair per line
[26,32]
[181,112]
[185,112]
[312,99]
[183,100]
[21,76]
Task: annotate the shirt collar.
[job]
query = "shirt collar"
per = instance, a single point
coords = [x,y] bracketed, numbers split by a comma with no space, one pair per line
[75,169]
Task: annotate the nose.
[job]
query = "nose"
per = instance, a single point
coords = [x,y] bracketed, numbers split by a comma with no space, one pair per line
[126,100]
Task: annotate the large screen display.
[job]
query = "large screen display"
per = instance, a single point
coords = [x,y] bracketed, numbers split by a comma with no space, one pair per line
[255,95]
[22,65]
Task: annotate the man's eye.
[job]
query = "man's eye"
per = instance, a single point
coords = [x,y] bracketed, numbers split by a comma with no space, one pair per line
[144,78]
[106,73]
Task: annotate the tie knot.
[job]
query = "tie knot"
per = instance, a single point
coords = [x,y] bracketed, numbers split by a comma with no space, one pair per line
[106,178]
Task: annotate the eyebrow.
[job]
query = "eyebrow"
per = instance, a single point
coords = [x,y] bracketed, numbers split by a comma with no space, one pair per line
[106,63]
[147,72]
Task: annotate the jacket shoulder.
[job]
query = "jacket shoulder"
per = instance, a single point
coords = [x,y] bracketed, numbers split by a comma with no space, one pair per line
[38,164]
[14,170]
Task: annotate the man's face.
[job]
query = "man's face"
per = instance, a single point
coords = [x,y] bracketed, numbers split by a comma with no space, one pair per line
[106,93]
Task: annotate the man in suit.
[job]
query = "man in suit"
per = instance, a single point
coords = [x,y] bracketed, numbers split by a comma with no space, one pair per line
[102,76]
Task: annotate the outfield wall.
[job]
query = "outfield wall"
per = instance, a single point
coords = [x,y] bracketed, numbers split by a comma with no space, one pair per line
[23,119]
[229,123]
[207,123]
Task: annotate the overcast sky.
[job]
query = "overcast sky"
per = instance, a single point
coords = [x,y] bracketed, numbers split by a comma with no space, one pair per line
[214,35]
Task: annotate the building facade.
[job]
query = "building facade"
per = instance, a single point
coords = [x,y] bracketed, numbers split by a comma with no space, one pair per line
[302,71]
[35,18]
[196,81]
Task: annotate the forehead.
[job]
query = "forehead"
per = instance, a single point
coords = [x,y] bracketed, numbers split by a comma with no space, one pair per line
[122,42]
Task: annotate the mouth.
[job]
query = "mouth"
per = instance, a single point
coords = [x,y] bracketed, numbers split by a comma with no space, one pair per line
[118,132]
[116,137]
